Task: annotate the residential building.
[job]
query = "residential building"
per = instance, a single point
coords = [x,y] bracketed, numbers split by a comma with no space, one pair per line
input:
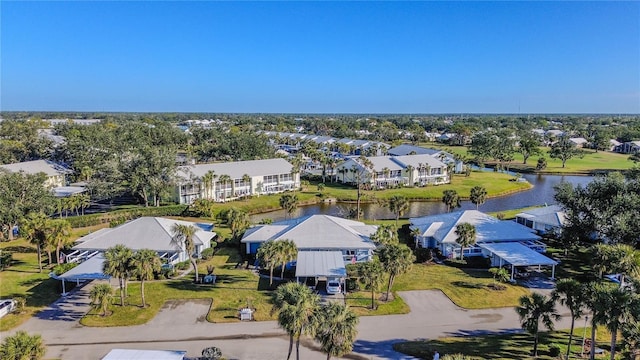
[629,147]
[543,220]
[243,178]
[445,157]
[56,174]
[390,171]
[578,142]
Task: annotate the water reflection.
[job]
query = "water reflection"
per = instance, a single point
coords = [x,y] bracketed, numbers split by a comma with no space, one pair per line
[541,193]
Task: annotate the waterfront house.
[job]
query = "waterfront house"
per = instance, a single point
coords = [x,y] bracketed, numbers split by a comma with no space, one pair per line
[543,220]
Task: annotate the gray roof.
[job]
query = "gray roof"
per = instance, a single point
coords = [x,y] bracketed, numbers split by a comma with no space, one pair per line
[90,269]
[416,160]
[320,263]
[237,169]
[442,227]
[517,254]
[381,162]
[143,233]
[406,149]
[550,215]
[316,232]
[37,166]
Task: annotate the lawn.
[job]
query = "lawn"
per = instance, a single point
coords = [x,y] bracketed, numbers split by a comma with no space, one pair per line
[22,279]
[504,346]
[466,288]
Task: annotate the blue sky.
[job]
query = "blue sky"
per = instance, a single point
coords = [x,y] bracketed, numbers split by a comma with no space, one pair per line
[321,57]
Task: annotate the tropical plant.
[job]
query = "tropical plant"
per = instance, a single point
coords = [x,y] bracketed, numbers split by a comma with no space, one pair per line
[396,259]
[184,234]
[246,180]
[117,263]
[570,293]
[207,182]
[289,203]
[238,221]
[466,236]
[478,195]
[398,205]
[100,296]
[145,263]
[224,179]
[286,251]
[297,309]
[34,229]
[22,346]
[59,235]
[336,329]
[499,274]
[618,302]
[211,353]
[541,164]
[533,310]
[370,274]
[268,255]
[385,234]
[451,199]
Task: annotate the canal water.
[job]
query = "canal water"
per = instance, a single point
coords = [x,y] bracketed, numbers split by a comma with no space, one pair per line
[541,193]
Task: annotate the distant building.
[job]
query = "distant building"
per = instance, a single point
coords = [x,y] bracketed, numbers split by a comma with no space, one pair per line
[578,142]
[543,220]
[445,157]
[630,147]
[262,177]
[56,174]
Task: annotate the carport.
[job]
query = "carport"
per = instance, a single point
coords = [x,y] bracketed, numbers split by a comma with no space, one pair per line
[91,269]
[517,254]
[315,264]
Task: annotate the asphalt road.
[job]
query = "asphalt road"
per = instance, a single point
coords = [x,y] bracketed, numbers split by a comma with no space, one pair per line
[181,325]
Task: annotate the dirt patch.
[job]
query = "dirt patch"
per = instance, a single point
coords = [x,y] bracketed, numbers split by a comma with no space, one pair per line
[183,312]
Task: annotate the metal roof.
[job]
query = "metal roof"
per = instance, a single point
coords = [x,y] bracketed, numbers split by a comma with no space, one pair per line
[133,354]
[416,160]
[406,149]
[238,169]
[37,166]
[87,270]
[517,254]
[550,215]
[320,263]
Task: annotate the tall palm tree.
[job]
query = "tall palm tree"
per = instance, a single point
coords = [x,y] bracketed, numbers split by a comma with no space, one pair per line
[246,180]
[117,263]
[534,309]
[207,181]
[297,309]
[451,199]
[369,273]
[22,346]
[596,302]
[238,221]
[267,253]
[84,201]
[410,170]
[466,236]
[385,234]
[59,235]
[416,233]
[145,263]
[336,330]
[289,203]
[184,234]
[386,173]
[478,195]
[619,302]
[396,259]
[570,293]
[398,205]
[224,179]
[100,296]
[34,229]
[286,251]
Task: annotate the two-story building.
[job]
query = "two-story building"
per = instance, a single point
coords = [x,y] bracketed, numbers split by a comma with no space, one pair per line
[56,174]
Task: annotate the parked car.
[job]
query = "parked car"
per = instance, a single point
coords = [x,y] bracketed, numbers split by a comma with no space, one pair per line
[6,306]
[333,286]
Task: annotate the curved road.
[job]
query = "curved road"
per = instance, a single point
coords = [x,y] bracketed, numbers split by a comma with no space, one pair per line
[181,325]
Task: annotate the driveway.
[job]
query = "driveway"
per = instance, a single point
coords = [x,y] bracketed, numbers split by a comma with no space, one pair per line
[180,325]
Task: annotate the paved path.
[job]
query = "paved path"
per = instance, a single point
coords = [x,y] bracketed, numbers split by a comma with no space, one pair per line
[181,325]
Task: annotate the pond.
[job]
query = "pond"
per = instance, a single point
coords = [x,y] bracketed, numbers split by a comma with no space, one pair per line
[541,193]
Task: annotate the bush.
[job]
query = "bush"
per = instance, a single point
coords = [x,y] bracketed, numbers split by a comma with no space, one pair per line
[20,304]
[471,262]
[6,257]
[117,217]
[207,254]
[183,265]
[554,350]
[63,268]
[423,255]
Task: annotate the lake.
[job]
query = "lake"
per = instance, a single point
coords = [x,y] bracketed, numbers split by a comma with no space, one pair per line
[541,193]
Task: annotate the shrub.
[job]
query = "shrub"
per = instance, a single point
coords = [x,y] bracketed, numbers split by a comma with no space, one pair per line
[554,350]
[183,265]
[212,353]
[423,255]
[20,304]
[117,217]
[471,262]
[207,254]
[6,257]
[63,268]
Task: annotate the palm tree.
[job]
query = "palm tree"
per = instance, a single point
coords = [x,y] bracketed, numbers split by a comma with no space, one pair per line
[398,205]
[100,296]
[451,199]
[478,195]
[534,309]
[570,294]
[385,234]
[117,263]
[59,235]
[224,180]
[238,221]
[184,236]
[34,230]
[289,203]
[207,181]
[286,251]
[619,302]
[416,233]
[145,263]
[336,330]
[22,346]
[84,201]
[297,309]
[396,259]
[246,180]
[267,253]
[410,169]
[386,173]
[370,273]
[466,236]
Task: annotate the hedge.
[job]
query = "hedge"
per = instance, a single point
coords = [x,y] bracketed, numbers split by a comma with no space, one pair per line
[120,216]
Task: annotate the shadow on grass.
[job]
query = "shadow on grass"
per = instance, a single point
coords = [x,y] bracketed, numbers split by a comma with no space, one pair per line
[263,284]
[20,249]
[468,285]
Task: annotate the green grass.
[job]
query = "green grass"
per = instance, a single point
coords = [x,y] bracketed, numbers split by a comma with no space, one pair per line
[505,346]
[22,279]
[511,214]
[466,288]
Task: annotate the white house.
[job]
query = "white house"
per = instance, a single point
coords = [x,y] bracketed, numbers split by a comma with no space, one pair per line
[543,220]
[445,157]
[389,171]
[504,242]
[630,147]
[578,142]
[152,233]
[56,174]
[245,178]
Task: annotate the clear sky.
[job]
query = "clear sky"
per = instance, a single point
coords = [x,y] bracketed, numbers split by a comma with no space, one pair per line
[321,57]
